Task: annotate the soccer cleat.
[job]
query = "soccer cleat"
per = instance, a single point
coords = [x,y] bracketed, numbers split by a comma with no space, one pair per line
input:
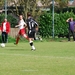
[33,49]
[15,44]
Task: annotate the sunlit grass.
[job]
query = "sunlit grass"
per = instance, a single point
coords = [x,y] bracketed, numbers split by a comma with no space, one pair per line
[50,58]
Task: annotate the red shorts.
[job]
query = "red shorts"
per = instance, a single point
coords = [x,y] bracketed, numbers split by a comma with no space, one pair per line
[22,32]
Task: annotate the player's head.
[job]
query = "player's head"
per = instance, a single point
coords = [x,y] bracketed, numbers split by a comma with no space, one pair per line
[21,17]
[28,14]
[5,20]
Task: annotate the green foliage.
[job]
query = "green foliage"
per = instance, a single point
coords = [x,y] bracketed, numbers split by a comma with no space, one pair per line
[60,25]
[45,23]
[10,39]
[11,19]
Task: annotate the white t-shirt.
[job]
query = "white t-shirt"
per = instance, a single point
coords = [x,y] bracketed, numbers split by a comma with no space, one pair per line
[21,23]
[4,27]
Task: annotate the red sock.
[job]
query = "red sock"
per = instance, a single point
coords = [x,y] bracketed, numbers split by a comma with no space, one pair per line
[17,40]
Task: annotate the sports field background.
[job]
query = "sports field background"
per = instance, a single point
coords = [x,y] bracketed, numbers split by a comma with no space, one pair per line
[50,58]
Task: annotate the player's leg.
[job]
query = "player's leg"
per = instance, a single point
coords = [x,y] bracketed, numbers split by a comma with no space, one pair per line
[25,36]
[17,38]
[31,37]
[31,43]
[23,33]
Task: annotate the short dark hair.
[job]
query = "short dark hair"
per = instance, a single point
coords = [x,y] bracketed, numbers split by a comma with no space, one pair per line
[28,14]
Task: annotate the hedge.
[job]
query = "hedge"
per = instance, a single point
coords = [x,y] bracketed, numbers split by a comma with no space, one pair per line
[60,25]
[11,19]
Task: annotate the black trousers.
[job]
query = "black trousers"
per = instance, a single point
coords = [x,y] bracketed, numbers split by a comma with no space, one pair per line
[73,34]
[4,37]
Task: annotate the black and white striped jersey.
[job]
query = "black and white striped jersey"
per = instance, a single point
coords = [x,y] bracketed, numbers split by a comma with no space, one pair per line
[31,24]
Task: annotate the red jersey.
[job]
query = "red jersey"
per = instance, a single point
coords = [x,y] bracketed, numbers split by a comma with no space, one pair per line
[7,27]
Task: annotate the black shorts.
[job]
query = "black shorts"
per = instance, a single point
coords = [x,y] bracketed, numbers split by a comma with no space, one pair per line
[31,34]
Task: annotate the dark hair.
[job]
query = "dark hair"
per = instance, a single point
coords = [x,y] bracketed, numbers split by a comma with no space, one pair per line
[69,19]
[28,14]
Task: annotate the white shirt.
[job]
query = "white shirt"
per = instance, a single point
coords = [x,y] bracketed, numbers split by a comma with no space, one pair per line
[21,23]
[4,27]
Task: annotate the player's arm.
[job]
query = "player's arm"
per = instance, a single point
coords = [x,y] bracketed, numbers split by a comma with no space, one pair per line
[25,25]
[68,20]
[37,26]
[17,25]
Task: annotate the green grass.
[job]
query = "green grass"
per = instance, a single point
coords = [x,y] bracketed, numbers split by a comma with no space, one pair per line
[50,58]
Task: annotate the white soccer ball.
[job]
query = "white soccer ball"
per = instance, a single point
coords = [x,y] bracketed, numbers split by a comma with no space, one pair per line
[2,45]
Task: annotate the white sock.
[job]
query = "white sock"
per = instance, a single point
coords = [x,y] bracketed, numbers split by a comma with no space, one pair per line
[33,47]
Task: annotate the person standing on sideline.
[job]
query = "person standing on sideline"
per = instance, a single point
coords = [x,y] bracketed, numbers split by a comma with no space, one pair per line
[32,26]
[71,28]
[22,30]
[5,28]
[0,28]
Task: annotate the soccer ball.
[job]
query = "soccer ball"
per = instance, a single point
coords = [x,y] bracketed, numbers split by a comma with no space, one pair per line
[2,45]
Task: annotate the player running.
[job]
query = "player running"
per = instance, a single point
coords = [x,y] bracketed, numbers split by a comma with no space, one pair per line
[22,30]
[32,27]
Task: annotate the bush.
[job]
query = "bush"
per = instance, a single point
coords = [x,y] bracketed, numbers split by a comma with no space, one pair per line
[60,25]
[11,19]
[45,25]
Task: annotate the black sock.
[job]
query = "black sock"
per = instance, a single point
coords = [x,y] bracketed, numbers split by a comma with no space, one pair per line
[31,44]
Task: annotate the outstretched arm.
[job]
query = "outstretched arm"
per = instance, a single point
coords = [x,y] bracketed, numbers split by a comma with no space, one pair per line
[68,20]
[17,25]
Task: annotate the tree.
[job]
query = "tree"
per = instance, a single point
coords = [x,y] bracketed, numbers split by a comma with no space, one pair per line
[62,3]
[29,5]
[1,3]
[24,5]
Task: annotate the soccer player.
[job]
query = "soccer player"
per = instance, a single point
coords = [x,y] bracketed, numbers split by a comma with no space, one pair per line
[22,30]
[5,28]
[71,27]
[32,26]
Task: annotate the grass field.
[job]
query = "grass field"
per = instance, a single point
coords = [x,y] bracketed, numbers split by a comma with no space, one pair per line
[50,58]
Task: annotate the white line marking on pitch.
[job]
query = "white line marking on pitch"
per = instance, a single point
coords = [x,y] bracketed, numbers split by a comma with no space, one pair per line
[38,56]
[30,70]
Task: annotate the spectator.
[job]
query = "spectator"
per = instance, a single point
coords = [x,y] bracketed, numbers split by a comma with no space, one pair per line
[71,28]
[5,28]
